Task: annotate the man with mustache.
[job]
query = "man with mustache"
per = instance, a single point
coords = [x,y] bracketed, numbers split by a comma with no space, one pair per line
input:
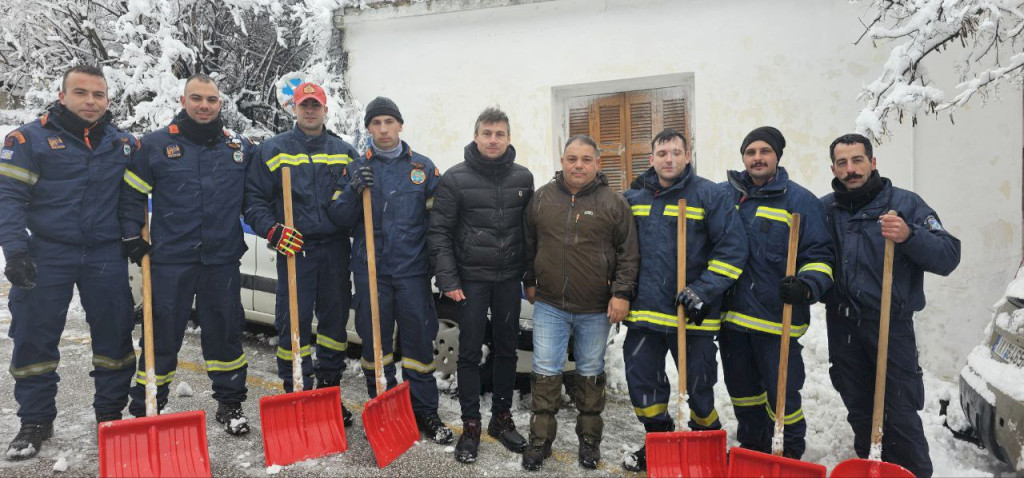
[316,157]
[864,211]
[60,177]
[194,169]
[766,199]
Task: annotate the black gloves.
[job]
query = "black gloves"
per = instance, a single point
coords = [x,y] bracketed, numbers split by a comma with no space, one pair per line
[695,310]
[362,178]
[135,248]
[792,290]
[21,270]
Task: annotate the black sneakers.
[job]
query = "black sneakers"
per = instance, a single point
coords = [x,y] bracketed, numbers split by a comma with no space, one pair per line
[636,461]
[231,416]
[469,441]
[503,428]
[432,426]
[29,440]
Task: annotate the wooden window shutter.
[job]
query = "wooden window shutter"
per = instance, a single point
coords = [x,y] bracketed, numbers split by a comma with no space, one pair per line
[608,128]
[643,122]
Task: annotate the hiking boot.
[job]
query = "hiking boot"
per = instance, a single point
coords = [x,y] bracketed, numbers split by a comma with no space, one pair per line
[636,461]
[503,428]
[231,416]
[107,417]
[29,440]
[590,452]
[469,441]
[534,455]
[432,426]
[346,416]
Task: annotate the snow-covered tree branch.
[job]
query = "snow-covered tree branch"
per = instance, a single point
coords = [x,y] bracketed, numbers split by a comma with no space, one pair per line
[990,32]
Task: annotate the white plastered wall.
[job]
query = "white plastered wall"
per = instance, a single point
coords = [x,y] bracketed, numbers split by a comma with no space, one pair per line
[789,64]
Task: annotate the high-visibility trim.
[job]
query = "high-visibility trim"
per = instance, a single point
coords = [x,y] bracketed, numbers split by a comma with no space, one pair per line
[641,209]
[817,267]
[775,214]
[754,401]
[337,194]
[21,174]
[137,183]
[430,203]
[331,159]
[725,269]
[650,316]
[286,354]
[325,341]
[704,421]
[761,325]
[33,369]
[651,411]
[368,365]
[161,380]
[695,213]
[128,361]
[218,366]
[416,365]
[788,419]
[282,159]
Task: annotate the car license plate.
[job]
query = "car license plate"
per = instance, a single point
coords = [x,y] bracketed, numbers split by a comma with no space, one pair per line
[1009,351]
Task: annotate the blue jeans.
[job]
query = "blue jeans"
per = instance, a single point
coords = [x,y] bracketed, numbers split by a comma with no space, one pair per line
[551,330]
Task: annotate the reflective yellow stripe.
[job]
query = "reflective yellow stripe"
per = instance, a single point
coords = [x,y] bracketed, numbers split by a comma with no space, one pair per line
[724,269]
[704,421]
[337,194]
[818,267]
[286,354]
[33,369]
[749,401]
[789,419]
[367,365]
[651,411]
[761,325]
[430,203]
[140,378]
[774,214]
[21,174]
[712,325]
[641,210]
[331,159]
[282,158]
[128,361]
[330,343]
[137,183]
[416,365]
[218,366]
[695,213]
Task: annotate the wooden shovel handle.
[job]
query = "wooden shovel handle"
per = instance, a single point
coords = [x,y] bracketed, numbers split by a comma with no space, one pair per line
[883,349]
[787,321]
[293,291]
[371,268]
[147,323]
[681,315]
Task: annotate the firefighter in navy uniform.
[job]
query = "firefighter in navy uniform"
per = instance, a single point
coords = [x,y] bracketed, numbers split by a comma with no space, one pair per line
[857,220]
[751,336]
[195,171]
[316,157]
[716,251]
[59,179]
[402,184]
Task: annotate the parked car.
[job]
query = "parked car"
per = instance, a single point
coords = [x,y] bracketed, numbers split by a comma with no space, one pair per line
[992,381]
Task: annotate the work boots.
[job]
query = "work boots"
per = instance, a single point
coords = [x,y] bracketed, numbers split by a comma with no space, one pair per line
[637,460]
[469,441]
[230,415]
[432,426]
[503,428]
[545,393]
[590,402]
[346,416]
[29,440]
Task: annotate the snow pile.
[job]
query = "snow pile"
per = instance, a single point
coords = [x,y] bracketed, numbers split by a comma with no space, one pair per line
[14,454]
[274,469]
[61,465]
[183,389]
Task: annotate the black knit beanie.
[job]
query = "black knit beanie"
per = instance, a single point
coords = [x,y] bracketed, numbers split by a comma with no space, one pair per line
[382,106]
[767,134]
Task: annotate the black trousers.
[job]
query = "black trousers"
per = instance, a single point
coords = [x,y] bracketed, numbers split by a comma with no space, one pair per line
[503,300]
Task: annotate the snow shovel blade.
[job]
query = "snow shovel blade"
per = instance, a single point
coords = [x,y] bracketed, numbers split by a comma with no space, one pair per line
[695,454]
[743,462]
[389,424]
[164,445]
[860,468]
[302,425]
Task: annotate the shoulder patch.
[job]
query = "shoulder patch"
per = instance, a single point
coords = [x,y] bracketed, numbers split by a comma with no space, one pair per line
[417,176]
[437,172]
[416,165]
[55,142]
[933,224]
[6,154]
[173,129]
[14,137]
[173,151]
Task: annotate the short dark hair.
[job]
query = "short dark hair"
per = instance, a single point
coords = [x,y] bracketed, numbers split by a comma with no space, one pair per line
[492,115]
[852,138]
[91,70]
[200,77]
[666,135]
[582,138]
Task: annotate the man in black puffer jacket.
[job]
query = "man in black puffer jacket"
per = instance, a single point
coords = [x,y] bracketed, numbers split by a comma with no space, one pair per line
[476,247]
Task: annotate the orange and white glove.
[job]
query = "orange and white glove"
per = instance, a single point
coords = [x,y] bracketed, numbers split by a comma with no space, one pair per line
[286,240]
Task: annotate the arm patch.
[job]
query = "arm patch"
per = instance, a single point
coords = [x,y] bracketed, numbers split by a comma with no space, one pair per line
[14,137]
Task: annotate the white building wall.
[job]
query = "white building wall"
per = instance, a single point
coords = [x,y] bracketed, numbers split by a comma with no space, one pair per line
[790,64]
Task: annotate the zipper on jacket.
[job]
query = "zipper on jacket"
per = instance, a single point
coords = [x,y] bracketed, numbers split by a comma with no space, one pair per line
[565,251]
[501,221]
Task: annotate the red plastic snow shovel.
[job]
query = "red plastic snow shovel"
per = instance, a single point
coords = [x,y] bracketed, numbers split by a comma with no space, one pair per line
[299,425]
[684,453]
[387,418]
[744,462]
[874,466]
[155,445]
